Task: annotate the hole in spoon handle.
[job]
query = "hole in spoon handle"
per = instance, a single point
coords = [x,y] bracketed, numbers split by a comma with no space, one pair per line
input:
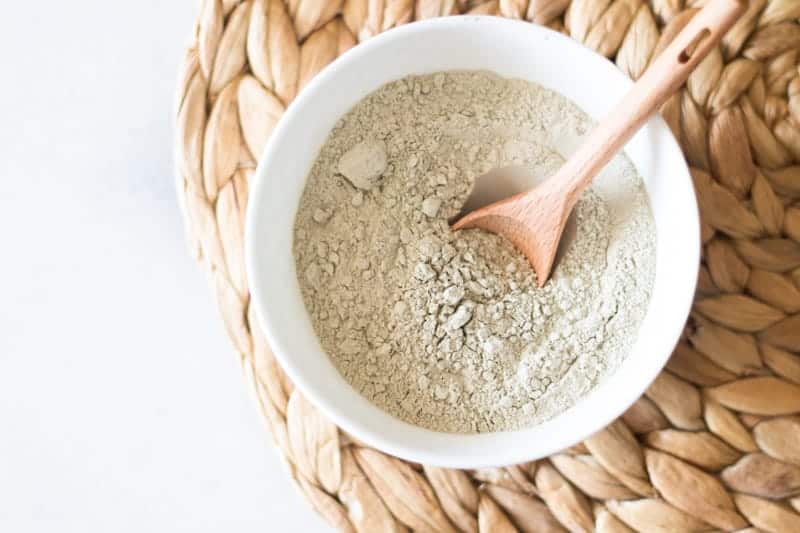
[689,50]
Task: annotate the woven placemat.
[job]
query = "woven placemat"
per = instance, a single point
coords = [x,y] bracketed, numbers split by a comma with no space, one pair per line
[715,441]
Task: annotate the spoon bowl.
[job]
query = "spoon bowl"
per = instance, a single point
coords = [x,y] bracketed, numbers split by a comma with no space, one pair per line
[505,182]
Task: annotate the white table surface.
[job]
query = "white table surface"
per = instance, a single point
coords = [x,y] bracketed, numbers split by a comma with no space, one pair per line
[122,406]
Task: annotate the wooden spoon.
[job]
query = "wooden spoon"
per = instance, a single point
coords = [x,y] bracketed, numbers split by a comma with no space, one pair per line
[534,220]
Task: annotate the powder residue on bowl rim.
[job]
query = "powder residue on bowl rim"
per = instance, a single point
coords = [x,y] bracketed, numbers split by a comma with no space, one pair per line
[448,330]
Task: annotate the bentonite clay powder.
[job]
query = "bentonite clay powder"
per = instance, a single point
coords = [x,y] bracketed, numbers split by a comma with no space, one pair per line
[449,330]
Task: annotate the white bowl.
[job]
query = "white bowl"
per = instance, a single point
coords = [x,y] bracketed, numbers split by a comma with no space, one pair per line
[511,49]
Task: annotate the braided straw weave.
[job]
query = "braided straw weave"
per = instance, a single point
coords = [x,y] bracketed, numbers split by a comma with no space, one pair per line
[715,441]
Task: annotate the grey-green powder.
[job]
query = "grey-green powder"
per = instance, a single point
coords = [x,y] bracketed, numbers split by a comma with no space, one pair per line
[448,330]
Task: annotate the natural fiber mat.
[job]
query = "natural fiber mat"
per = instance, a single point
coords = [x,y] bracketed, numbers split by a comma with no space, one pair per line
[715,441]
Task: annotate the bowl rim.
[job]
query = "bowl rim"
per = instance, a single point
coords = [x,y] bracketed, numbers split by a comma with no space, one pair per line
[340,416]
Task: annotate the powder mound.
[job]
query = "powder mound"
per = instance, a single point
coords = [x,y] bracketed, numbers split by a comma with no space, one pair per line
[364,163]
[449,330]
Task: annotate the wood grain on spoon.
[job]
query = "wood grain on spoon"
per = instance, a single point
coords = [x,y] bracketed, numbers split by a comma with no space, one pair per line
[534,220]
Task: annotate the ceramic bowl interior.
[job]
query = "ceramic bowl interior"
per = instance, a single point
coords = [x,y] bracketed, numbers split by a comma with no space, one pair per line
[508,48]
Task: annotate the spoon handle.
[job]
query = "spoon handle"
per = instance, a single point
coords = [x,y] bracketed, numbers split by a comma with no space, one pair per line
[664,76]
